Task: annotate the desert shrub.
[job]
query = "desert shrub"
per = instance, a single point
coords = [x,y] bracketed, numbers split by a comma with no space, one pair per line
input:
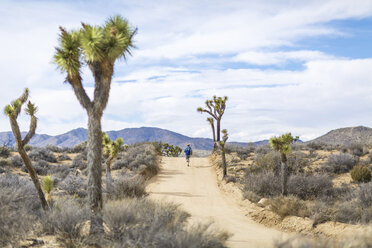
[42,154]
[264,184]
[316,145]
[348,212]
[41,167]
[5,163]
[251,196]
[79,148]
[4,152]
[127,186]
[242,152]
[267,162]
[263,149]
[47,184]
[351,240]
[143,223]
[59,171]
[54,148]
[360,174]
[289,206]
[296,162]
[80,161]
[65,219]
[339,163]
[322,212]
[19,207]
[74,185]
[309,187]
[139,156]
[28,147]
[356,149]
[17,161]
[364,195]
[230,179]
[63,157]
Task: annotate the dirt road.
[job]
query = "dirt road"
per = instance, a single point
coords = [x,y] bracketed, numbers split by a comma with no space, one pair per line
[196,189]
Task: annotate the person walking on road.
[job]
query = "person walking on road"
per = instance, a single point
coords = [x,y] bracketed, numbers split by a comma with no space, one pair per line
[188,153]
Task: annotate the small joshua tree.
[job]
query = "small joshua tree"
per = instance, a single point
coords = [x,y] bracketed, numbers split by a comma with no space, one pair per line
[48,186]
[282,144]
[110,151]
[12,111]
[215,108]
[170,150]
[221,145]
[98,47]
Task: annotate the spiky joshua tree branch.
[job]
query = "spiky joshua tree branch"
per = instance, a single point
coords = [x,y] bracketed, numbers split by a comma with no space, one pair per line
[12,110]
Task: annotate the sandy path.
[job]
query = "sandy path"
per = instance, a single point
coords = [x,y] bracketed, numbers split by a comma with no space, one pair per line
[196,189]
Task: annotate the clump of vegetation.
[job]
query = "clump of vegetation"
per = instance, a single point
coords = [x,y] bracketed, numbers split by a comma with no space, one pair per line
[17,161]
[74,185]
[4,152]
[170,150]
[42,154]
[63,157]
[289,206]
[339,163]
[165,226]
[139,157]
[309,187]
[360,174]
[264,184]
[19,207]
[127,186]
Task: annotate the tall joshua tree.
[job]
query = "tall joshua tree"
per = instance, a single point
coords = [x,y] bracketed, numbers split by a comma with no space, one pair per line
[282,144]
[98,47]
[12,111]
[215,108]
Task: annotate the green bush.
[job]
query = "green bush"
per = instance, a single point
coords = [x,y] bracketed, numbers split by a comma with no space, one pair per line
[360,174]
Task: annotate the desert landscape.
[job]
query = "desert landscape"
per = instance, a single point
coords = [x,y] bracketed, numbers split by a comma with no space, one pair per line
[186,124]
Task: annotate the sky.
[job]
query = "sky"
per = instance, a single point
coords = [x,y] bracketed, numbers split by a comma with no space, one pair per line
[303,67]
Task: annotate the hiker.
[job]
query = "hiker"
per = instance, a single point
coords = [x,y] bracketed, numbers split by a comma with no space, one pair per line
[188,153]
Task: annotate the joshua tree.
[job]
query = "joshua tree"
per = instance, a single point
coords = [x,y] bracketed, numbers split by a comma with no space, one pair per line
[282,144]
[216,109]
[221,145]
[12,111]
[110,151]
[98,47]
[170,150]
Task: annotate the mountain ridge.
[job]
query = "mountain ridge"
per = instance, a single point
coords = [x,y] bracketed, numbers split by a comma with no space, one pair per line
[130,136]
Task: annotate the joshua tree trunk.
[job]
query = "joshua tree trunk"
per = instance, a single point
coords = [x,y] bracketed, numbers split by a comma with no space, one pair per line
[108,175]
[27,161]
[224,166]
[218,138]
[95,171]
[284,173]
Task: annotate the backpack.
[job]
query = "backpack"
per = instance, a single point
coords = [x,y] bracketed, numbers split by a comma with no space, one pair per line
[188,151]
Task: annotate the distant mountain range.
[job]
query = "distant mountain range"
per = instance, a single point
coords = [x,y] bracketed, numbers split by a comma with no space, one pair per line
[347,136]
[130,136]
[342,136]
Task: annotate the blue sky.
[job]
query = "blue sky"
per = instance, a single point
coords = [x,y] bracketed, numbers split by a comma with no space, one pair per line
[298,66]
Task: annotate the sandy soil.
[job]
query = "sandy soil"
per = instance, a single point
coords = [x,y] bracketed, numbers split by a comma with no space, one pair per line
[196,189]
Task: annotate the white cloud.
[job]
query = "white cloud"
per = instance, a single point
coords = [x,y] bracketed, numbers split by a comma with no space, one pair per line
[183,49]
